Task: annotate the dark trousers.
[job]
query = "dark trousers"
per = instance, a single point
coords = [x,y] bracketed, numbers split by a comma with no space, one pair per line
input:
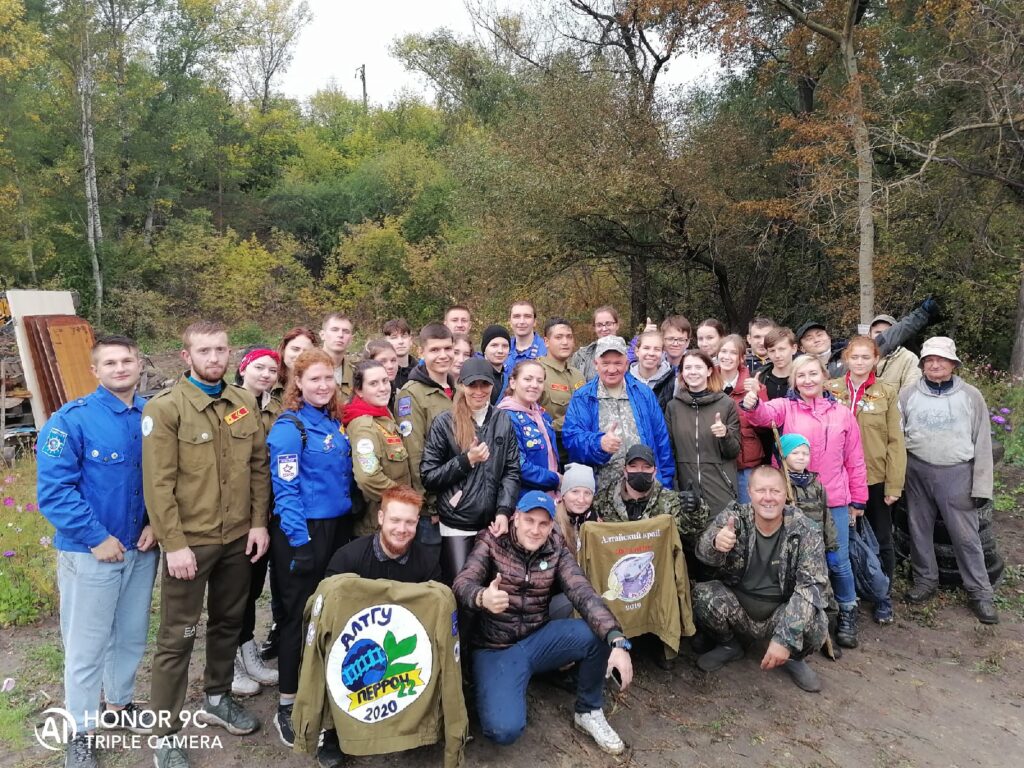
[454,553]
[945,491]
[326,536]
[257,581]
[224,568]
[879,514]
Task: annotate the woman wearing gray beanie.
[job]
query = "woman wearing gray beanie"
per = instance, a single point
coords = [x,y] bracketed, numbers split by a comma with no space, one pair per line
[574,509]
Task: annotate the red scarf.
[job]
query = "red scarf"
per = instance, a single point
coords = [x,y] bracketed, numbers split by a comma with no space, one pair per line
[359,407]
[857,393]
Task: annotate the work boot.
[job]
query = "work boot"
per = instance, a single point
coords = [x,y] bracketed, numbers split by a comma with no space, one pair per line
[985,610]
[254,666]
[846,635]
[717,658]
[919,593]
[228,714]
[802,674]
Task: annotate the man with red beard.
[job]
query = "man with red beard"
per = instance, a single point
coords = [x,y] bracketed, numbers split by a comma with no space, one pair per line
[393,551]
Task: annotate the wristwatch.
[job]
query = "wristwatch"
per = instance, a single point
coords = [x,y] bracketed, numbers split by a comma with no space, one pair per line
[623,643]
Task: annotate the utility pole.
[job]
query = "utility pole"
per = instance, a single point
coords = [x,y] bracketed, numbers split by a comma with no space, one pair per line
[361,74]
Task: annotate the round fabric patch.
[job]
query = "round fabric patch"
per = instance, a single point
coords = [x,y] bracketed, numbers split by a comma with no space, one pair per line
[405,428]
[147,425]
[318,605]
[364,446]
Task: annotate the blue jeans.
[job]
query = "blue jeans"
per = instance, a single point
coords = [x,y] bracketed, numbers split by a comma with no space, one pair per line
[742,485]
[104,620]
[839,567]
[503,676]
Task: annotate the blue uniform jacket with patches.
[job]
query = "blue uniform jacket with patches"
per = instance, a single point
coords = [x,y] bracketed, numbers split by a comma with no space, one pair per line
[311,482]
[533,452]
[89,478]
[536,349]
[582,433]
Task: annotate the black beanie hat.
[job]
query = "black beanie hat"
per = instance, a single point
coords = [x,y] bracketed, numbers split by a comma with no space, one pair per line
[492,332]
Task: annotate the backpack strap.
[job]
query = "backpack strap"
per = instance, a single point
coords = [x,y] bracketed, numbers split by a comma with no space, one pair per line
[294,419]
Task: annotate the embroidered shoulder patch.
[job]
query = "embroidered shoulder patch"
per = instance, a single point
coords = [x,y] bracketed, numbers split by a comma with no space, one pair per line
[404,407]
[288,466]
[55,441]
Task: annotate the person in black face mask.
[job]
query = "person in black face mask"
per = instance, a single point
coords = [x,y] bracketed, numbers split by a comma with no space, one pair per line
[640,495]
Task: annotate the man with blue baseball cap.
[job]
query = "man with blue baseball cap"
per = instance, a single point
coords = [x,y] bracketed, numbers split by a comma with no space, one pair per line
[510,580]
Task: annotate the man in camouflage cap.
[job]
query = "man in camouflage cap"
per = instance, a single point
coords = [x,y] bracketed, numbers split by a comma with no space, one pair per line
[771,584]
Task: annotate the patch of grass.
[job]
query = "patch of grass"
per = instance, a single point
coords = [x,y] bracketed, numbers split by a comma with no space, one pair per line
[28,581]
[990,665]
[46,660]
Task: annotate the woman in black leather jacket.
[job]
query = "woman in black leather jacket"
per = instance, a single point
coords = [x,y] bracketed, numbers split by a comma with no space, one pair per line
[471,462]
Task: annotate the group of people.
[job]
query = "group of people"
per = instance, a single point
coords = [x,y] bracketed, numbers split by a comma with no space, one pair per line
[478,468]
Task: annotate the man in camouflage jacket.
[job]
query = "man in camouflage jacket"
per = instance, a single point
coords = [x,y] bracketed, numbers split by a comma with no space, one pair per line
[734,544]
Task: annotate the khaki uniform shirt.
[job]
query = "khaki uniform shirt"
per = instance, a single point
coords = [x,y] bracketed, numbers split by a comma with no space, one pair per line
[380,461]
[205,467]
[417,406]
[560,381]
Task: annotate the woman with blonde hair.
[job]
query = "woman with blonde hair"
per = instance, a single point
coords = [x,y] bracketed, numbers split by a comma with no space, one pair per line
[471,462]
[837,457]
[734,376]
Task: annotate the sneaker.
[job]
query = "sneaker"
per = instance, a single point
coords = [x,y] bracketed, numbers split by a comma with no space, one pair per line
[802,674]
[80,753]
[168,756]
[984,610]
[241,683]
[268,650]
[131,717]
[595,724]
[283,723]
[718,657]
[328,753]
[254,666]
[229,715]
[919,593]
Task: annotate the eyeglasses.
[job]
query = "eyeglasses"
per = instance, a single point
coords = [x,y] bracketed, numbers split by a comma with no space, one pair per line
[676,339]
[605,325]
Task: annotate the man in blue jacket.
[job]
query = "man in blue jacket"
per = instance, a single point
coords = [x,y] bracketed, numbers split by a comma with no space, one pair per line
[89,484]
[610,414]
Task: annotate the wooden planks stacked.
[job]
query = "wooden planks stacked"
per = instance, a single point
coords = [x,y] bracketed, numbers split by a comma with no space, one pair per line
[61,348]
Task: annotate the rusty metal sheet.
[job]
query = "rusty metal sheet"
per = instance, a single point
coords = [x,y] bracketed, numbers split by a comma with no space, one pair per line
[41,366]
[71,339]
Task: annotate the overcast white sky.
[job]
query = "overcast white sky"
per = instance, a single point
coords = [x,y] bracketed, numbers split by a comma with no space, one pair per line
[346,34]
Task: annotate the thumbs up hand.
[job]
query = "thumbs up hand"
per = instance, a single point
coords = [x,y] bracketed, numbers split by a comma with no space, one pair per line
[494,598]
[650,325]
[611,441]
[478,452]
[725,539]
[718,428]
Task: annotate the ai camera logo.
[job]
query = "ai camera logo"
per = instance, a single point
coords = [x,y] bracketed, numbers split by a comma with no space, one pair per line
[57,729]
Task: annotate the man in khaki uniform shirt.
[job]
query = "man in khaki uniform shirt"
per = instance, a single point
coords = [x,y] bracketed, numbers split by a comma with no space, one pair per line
[336,334]
[206,483]
[560,378]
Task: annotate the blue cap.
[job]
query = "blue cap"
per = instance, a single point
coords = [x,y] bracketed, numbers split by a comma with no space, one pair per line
[792,440]
[532,500]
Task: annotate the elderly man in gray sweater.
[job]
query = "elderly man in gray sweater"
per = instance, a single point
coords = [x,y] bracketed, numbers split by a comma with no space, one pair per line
[949,473]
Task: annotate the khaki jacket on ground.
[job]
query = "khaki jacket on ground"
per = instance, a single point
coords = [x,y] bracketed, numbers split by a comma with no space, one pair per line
[387,682]
[640,570]
[380,461]
[205,467]
[881,432]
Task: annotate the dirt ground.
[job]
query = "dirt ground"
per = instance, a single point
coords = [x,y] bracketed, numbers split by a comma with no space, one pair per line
[934,689]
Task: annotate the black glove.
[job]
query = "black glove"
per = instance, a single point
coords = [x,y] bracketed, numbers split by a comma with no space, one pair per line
[931,306]
[302,560]
[689,500]
[979,503]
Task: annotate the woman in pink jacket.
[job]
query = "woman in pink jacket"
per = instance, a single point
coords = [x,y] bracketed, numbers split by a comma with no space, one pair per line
[837,457]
